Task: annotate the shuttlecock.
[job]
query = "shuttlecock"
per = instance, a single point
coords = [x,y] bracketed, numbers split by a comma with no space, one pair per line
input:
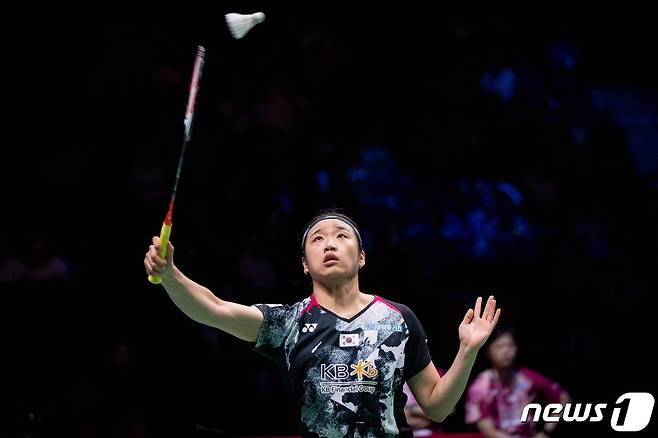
[240,24]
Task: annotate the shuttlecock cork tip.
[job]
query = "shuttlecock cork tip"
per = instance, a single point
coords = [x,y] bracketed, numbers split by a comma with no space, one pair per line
[259,17]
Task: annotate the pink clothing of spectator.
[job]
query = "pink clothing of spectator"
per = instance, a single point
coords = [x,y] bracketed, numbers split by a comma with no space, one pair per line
[489,398]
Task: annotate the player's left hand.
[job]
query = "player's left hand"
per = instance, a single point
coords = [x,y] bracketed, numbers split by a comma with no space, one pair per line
[475,328]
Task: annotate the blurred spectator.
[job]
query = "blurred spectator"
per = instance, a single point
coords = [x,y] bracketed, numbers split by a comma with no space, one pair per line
[496,398]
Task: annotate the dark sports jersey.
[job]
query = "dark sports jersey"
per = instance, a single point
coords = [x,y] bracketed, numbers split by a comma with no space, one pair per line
[347,374]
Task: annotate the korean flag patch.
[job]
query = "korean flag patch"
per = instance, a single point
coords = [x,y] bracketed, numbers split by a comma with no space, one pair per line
[349,340]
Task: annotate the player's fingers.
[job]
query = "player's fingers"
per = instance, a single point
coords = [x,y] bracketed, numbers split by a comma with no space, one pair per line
[155,258]
[478,307]
[492,310]
[468,317]
[148,266]
[152,255]
[496,317]
[488,312]
[151,263]
[170,252]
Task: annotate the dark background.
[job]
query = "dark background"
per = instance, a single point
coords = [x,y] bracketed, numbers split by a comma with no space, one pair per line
[504,151]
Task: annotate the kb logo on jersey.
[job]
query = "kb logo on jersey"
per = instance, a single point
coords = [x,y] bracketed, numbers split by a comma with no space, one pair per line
[340,371]
[309,327]
[335,378]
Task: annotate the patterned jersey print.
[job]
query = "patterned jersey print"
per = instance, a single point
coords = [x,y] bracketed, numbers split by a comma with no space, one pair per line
[348,374]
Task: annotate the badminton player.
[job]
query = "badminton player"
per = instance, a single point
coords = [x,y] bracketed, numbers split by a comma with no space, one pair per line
[347,353]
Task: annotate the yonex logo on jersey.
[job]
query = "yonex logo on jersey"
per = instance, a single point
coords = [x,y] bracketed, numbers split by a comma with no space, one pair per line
[348,340]
[309,327]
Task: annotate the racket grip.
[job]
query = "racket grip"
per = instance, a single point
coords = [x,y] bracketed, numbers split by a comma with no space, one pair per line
[165,232]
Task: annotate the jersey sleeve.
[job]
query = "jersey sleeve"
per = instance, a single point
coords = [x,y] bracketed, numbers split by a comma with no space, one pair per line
[417,354]
[279,320]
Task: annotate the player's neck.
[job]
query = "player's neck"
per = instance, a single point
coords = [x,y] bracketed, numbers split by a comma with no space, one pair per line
[341,298]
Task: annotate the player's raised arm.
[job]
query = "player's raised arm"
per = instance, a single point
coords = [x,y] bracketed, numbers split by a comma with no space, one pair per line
[198,302]
[438,396]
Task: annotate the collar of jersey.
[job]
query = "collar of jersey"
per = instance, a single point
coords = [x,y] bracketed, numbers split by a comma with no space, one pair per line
[356,315]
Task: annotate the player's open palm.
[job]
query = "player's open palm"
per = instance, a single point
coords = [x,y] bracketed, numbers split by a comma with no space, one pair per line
[477,326]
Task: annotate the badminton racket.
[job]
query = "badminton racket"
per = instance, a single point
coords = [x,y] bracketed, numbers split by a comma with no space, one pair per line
[165,232]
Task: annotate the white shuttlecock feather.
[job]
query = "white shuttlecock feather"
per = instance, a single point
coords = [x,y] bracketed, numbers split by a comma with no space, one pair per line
[240,24]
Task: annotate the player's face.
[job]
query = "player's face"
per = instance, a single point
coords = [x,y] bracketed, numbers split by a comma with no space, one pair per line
[502,351]
[332,250]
